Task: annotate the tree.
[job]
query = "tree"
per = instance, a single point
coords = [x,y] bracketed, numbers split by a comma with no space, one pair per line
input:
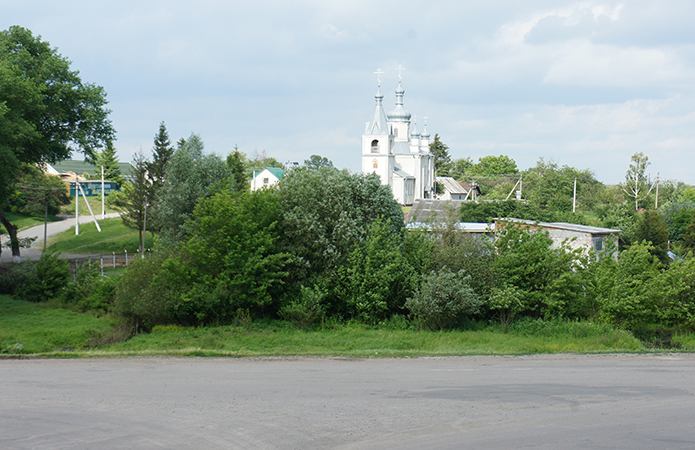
[317,162]
[495,165]
[236,162]
[38,193]
[259,162]
[652,228]
[133,199]
[326,213]
[46,111]
[552,187]
[460,167]
[442,160]
[161,154]
[635,179]
[109,161]
[189,176]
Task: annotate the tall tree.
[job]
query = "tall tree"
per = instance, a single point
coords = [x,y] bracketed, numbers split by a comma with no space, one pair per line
[161,154]
[636,185]
[46,111]
[189,176]
[442,160]
[109,161]
[133,199]
[317,162]
[495,165]
[236,162]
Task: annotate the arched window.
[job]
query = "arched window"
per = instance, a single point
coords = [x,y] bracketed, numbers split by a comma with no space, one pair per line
[375,146]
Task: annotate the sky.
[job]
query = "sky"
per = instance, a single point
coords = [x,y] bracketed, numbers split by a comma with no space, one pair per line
[581,83]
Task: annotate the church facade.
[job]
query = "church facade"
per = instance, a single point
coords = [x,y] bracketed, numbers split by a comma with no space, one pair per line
[394,149]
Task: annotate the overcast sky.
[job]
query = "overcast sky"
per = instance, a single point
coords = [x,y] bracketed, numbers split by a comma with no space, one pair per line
[585,84]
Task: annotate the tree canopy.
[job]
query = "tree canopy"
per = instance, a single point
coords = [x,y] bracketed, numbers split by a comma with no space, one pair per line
[46,111]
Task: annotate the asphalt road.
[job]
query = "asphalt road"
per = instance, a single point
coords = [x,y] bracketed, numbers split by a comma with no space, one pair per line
[53,228]
[540,402]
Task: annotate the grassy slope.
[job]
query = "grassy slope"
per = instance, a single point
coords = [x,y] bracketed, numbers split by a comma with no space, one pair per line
[35,328]
[23,221]
[114,237]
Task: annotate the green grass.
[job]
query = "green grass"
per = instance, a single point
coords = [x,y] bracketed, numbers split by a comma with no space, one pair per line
[358,341]
[23,221]
[29,328]
[39,329]
[94,202]
[114,237]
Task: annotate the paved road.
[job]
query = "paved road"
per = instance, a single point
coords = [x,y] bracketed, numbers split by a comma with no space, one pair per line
[34,253]
[540,402]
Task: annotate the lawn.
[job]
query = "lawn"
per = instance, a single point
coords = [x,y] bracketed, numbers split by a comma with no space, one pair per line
[39,329]
[94,202]
[30,328]
[114,237]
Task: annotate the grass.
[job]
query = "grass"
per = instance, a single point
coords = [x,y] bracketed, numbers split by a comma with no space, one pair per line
[94,202]
[29,328]
[114,237]
[23,221]
[42,330]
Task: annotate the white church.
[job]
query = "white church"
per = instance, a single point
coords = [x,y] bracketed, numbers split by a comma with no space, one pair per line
[393,149]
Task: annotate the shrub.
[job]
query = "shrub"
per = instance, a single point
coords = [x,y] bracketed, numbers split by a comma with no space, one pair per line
[442,299]
[306,309]
[37,281]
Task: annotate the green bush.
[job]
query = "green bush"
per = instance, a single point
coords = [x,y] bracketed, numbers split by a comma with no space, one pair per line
[305,310]
[442,299]
[37,281]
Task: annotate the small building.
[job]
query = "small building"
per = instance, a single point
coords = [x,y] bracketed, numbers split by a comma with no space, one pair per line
[578,236]
[455,190]
[267,177]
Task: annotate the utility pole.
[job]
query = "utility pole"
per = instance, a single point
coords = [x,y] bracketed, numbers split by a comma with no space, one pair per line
[656,202]
[574,196]
[77,207]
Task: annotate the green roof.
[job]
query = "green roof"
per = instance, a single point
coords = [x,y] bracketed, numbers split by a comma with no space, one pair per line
[276,171]
[80,167]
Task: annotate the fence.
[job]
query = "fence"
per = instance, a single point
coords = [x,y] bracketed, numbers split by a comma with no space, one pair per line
[105,262]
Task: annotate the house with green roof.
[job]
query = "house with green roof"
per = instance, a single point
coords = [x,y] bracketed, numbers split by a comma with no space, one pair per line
[267,177]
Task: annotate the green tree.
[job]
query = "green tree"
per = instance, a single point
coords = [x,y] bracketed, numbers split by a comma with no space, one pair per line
[636,185]
[377,277]
[162,151]
[652,228]
[236,162]
[460,167]
[317,162]
[326,213]
[552,187]
[107,159]
[495,165]
[134,199]
[189,176]
[231,260]
[442,160]
[46,111]
[38,193]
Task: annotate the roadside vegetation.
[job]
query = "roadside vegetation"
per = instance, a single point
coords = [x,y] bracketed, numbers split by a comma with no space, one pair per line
[322,263]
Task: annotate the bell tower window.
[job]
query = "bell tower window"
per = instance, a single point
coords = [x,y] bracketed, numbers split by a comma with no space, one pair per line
[375,146]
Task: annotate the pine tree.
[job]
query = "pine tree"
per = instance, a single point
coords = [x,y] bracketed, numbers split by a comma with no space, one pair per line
[161,154]
[442,160]
[133,199]
[109,161]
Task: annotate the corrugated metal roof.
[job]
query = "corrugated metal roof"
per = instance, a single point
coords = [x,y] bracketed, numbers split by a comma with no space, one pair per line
[80,167]
[562,226]
[451,185]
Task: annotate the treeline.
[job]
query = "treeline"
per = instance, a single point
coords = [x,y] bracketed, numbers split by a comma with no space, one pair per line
[329,245]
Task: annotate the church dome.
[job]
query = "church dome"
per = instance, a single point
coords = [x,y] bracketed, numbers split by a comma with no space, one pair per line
[399,114]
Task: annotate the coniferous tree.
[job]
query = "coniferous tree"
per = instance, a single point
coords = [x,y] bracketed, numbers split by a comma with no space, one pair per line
[161,154]
[236,162]
[109,161]
[133,199]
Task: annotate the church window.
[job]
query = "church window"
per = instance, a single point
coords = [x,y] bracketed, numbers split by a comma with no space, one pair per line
[375,146]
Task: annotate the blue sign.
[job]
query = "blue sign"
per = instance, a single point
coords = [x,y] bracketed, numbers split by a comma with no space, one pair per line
[93,188]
